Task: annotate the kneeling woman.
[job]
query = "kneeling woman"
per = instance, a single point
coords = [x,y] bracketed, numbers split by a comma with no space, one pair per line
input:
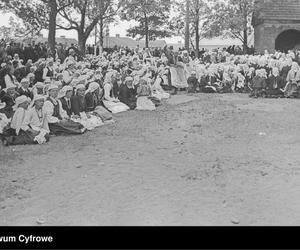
[28,126]
[275,85]
[259,84]
[79,108]
[111,101]
[94,103]
[127,94]
[59,122]
[144,93]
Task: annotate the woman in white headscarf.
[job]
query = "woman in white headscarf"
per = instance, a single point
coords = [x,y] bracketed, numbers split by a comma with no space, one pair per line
[144,93]
[4,121]
[38,89]
[30,126]
[94,103]
[293,79]
[240,82]
[157,90]
[228,81]
[58,119]
[110,101]
[178,74]
[275,84]
[259,84]
[80,111]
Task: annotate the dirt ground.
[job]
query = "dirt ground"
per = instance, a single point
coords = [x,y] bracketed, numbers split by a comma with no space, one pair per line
[198,160]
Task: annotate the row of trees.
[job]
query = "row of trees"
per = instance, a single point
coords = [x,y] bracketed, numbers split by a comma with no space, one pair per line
[207,18]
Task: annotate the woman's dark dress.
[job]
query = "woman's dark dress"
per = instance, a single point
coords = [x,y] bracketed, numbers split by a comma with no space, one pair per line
[274,84]
[66,107]
[128,96]
[63,127]
[78,105]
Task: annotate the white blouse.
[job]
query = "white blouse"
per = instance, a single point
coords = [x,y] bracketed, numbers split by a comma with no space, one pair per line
[48,109]
[67,77]
[17,120]
[8,80]
[35,120]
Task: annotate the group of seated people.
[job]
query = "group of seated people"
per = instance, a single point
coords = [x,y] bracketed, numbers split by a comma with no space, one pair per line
[270,75]
[52,97]
[71,102]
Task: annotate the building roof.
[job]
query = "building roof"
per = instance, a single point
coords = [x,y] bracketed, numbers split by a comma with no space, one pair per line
[278,10]
[157,43]
[110,42]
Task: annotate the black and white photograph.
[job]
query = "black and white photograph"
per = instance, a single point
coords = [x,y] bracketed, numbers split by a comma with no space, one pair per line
[149,113]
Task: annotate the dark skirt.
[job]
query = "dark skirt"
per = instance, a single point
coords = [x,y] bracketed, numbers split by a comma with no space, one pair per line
[258,92]
[192,88]
[208,90]
[8,111]
[103,113]
[272,93]
[24,138]
[66,128]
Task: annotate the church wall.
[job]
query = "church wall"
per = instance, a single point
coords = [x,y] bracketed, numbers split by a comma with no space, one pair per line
[267,32]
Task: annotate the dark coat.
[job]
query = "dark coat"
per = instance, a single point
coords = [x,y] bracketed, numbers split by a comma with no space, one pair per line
[259,82]
[65,106]
[27,93]
[78,104]
[39,74]
[128,96]
[20,73]
[284,72]
[192,83]
[276,82]
[10,102]
[92,101]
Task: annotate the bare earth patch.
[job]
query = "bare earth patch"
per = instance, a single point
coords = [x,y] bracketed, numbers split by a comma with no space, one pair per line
[197,160]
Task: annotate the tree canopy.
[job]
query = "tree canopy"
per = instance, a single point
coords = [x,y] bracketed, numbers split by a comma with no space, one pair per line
[208,18]
[33,13]
[198,14]
[79,15]
[231,18]
[152,17]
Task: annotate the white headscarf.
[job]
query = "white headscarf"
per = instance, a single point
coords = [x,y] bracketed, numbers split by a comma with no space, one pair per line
[92,87]
[19,100]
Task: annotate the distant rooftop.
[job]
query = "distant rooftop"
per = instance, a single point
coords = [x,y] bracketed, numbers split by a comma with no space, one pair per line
[110,42]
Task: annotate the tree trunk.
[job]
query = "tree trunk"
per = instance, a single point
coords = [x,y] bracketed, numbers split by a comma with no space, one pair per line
[52,27]
[187,26]
[101,41]
[245,42]
[245,31]
[146,32]
[81,43]
[197,38]
[95,48]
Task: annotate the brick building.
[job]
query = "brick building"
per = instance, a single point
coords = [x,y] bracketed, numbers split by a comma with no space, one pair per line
[276,25]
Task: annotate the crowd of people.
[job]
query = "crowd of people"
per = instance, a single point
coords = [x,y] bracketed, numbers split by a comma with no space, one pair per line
[34,50]
[74,95]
